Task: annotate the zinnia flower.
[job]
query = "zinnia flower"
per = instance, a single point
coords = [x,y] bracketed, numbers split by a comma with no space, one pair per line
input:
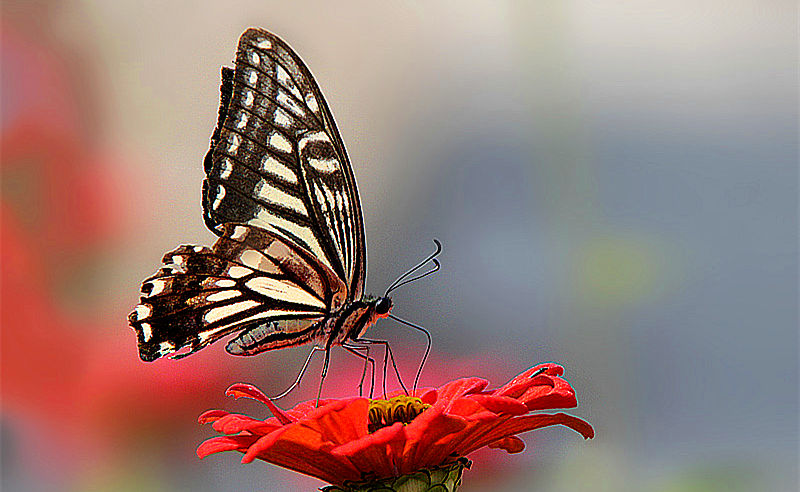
[359,443]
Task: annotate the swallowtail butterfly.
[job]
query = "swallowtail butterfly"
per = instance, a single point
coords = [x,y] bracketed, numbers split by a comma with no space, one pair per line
[288,267]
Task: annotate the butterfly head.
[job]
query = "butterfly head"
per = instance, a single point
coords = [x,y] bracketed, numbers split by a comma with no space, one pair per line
[382,306]
[379,307]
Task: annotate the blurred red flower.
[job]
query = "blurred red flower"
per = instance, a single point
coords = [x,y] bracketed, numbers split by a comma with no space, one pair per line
[68,363]
[353,439]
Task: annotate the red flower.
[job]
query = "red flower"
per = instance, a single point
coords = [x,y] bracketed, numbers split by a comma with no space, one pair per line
[355,439]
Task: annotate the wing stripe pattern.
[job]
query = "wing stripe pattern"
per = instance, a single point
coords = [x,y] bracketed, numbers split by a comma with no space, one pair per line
[249,279]
[278,162]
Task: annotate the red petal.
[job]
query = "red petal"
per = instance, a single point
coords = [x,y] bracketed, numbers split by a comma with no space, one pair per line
[550,368]
[542,392]
[545,397]
[302,449]
[211,416]
[224,443]
[499,404]
[429,439]
[466,407]
[340,421]
[373,453]
[304,408]
[236,423]
[334,424]
[512,444]
[243,390]
[429,396]
[460,387]
[518,425]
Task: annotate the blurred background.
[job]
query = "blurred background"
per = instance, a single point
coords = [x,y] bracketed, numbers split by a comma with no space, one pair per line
[615,185]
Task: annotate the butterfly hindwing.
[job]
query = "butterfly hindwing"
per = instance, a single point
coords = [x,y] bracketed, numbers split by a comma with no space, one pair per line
[277,160]
[250,280]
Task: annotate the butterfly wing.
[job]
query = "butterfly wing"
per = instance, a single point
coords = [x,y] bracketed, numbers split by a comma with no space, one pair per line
[252,280]
[277,160]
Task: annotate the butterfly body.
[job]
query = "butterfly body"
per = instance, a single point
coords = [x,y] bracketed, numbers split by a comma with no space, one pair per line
[288,267]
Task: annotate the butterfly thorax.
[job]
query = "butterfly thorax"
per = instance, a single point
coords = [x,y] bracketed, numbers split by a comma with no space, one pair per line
[353,319]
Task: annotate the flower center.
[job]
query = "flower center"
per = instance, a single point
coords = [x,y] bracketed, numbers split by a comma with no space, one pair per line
[404,409]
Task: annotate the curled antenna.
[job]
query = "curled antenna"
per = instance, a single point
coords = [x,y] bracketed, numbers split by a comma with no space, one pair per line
[435,269]
[421,264]
[427,348]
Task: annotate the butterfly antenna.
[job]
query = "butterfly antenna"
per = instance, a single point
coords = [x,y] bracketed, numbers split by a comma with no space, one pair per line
[396,283]
[427,348]
[436,268]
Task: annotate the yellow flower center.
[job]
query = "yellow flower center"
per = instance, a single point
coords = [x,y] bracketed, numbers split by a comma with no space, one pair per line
[404,409]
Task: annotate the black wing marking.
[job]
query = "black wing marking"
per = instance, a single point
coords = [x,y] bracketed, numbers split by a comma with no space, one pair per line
[250,279]
[277,160]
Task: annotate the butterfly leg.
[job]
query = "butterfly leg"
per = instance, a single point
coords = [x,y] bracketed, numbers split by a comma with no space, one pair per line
[314,349]
[387,355]
[355,350]
[324,370]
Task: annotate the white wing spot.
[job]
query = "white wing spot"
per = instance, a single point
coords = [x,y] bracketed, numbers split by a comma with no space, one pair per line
[147,332]
[198,249]
[255,58]
[225,282]
[286,100]
[277,168]
[221,296]
[252,77]
[166,348]
[327,166]
[285,79]
[239,272]
[282,118]
[219,197]
[242,120]
[238,233]
[283,75]
[143,311]
[234,144]
[158,287]
[248,98]
[278,141]
[227,169]
[311,102]
[220,312]
[264,45]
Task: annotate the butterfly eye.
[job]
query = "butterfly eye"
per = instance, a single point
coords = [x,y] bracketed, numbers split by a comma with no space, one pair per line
[383,305]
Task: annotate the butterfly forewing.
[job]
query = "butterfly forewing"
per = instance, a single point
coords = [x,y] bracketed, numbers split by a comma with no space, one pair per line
[277,160]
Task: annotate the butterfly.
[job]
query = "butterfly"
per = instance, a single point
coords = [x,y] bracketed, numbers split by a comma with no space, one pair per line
[288,267]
